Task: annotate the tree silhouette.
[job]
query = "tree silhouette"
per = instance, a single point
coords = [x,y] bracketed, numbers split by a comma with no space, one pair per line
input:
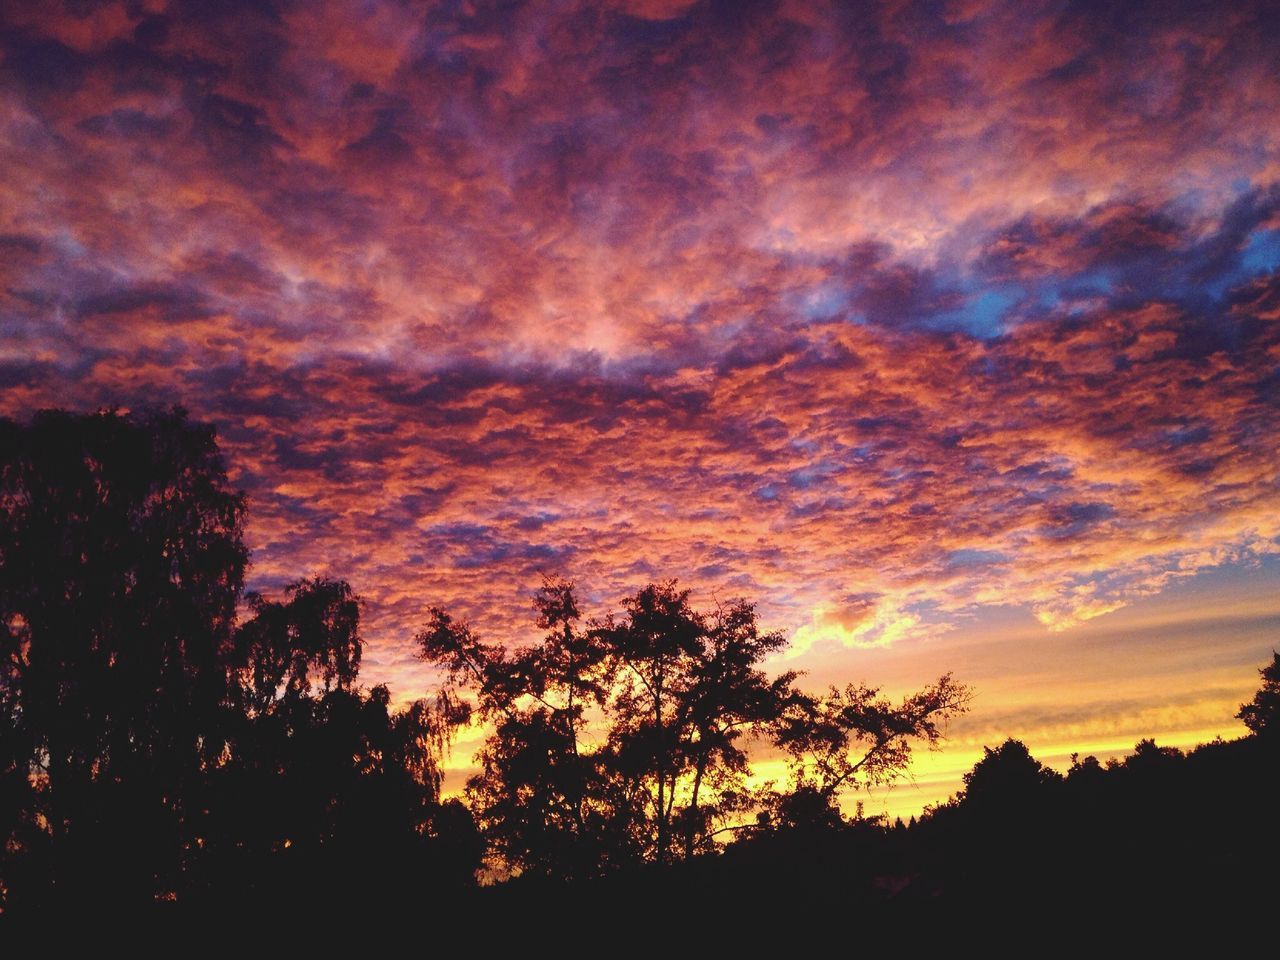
[671,692]
[154,748]
[689,686]
[286,647]
[1007,778]
[728,695]
[673,696]
[1262,714]
[122,567]
[854,736]
[656,643]
[537,796]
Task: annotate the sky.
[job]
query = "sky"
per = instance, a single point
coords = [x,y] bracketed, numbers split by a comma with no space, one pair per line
[946,332]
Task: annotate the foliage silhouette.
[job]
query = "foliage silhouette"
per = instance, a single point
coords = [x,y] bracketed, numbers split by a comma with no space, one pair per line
[1262,714]
[167,737]
[122,567]
[1007,777]
[153,747]
[854,732]
[537,796]
[672,697]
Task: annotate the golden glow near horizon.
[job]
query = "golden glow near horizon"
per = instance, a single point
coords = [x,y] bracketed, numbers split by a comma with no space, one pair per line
[948,333]
[1174,667]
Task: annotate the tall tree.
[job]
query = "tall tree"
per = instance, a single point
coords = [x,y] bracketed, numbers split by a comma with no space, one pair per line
[657,642]
[536,791]
[627,741]
[671,697]
[691,686]
[121,565]
[321,779]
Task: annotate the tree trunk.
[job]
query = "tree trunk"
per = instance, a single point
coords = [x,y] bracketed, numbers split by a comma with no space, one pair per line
[662,771]
[693,808]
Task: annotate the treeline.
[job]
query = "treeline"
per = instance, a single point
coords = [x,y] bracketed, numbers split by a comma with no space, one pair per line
[168,737]
[1160,830]
[1157,825]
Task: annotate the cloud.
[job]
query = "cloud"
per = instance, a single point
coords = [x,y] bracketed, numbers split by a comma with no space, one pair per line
[877,315]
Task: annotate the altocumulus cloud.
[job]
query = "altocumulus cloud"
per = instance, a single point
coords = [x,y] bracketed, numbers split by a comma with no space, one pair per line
[877,314]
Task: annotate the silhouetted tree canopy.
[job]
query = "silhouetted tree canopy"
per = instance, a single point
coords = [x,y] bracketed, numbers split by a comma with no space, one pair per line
[152,746]
[122,566]
[288,646]
[854,734]
[672,696]
[1262,714]
[1007,776]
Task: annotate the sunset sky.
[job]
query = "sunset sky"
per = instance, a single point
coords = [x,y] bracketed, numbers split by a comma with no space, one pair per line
[948,332]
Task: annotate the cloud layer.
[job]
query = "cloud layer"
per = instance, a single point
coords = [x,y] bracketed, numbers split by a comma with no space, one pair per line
[878,313]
